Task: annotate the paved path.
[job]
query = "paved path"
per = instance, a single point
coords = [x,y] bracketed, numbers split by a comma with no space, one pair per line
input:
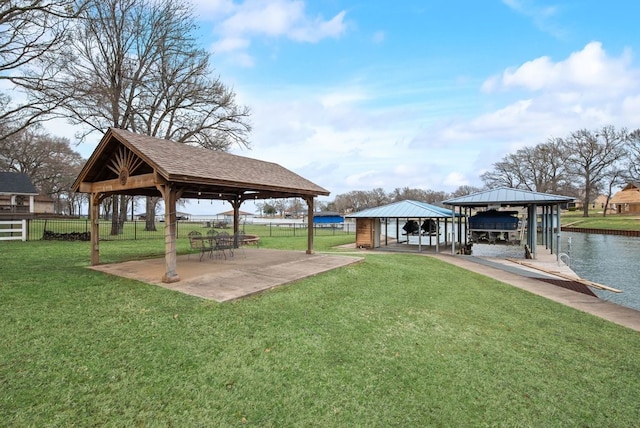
[524,278]
[248,272]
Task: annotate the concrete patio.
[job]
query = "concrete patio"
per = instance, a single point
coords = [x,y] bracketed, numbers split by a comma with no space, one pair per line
[244,274]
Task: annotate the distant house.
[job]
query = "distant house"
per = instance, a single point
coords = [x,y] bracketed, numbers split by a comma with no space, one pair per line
[17,194]
[44,205]
[229,215]
[627,200]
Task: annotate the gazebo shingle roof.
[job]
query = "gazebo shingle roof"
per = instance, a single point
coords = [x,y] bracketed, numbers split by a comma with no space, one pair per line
[195,166]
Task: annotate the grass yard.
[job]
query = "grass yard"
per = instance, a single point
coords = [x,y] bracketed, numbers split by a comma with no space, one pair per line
[597,221]
[398,340]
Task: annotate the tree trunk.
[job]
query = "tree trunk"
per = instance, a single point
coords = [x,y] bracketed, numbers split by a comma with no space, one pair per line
[150,222]
[122,217]
[114,215]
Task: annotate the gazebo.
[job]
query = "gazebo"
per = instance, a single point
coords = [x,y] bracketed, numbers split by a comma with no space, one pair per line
[506,197]
[133,164]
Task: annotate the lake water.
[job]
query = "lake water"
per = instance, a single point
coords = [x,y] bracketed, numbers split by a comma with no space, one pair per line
[609,260]
[606,259]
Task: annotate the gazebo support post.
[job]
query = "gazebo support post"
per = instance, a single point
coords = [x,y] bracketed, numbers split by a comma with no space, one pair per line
[532,229]
[170,196]
[310,210]
[559,232]
[94,217]
[419,236]
[235,203]
[453,226]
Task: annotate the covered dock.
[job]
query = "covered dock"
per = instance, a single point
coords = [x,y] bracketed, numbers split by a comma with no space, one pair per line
[539,206]
[424,225]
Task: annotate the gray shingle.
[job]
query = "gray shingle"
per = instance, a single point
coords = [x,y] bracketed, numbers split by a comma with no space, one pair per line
[16,183]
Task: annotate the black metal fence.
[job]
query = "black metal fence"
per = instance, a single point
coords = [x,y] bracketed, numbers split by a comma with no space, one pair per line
[80,229]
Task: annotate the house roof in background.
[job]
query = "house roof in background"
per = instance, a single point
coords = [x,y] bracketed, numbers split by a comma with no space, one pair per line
[16,183]
[230,213]
[630,194]
[404,209]
[507,196]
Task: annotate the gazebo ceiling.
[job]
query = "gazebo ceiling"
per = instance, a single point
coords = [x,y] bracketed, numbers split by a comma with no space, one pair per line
[128,163]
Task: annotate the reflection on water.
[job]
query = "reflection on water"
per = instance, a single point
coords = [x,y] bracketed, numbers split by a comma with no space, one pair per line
[608,260]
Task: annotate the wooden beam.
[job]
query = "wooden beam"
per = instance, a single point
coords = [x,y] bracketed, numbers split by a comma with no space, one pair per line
[170,196]
[94,218]
[309,200]
[235,204]
[115,185]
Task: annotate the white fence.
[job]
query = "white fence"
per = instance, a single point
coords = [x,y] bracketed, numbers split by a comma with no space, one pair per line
[9,231]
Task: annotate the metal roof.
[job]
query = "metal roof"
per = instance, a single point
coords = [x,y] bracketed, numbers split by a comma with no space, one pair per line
[404,209]
[507,196]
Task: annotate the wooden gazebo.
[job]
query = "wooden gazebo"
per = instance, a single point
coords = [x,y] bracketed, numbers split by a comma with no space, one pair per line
[133,164]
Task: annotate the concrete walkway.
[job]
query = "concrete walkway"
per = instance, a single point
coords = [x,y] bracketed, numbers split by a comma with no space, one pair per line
[249,272]
[546,265]
[527,278]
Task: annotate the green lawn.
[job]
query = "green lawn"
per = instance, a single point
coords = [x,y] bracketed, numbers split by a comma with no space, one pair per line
[597,221]
[398,340]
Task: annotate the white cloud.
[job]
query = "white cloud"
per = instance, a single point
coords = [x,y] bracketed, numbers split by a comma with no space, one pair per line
[210,9]
[231,44]
[541,16]
[589,68]
[379,37]
[237,23]
[455,179]
[342,97]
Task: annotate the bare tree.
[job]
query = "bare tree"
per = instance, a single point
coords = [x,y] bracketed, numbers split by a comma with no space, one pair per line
[421,195]
[593,159]
[540,169]
[632,160]
[464,191]
[31,29]
[296,207]
[49,161]
[505,173]
[135,64]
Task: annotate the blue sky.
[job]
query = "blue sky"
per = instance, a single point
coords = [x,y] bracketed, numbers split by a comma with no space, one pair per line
[355,95]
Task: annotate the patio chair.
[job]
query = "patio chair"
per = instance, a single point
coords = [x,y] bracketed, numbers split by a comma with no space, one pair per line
[223,242]
[212,234]
[238,242]
[198,243]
